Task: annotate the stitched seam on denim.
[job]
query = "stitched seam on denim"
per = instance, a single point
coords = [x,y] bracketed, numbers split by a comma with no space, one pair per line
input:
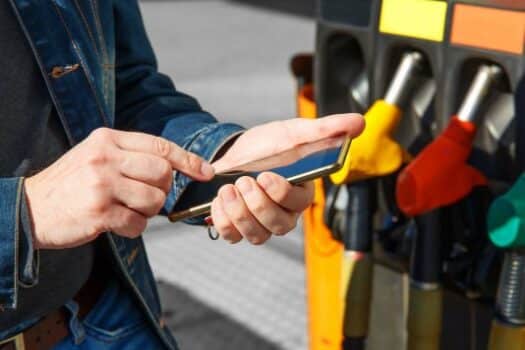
[98,28]
[44,73]
[132,256]
[110,336]
[86,24]
[83,64]
[149,313]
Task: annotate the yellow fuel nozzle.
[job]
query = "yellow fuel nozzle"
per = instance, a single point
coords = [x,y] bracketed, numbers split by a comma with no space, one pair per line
[375,153]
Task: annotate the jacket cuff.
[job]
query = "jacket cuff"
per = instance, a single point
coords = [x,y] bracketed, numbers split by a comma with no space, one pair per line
[11,190]
[207,142]
[29,258]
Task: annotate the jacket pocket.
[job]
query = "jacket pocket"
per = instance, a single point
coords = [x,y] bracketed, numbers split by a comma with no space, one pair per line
[115,316]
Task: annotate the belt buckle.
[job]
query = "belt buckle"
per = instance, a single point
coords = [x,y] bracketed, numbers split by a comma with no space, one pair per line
[18,341]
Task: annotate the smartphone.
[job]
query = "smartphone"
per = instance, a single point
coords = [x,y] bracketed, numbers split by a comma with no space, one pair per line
[299,164]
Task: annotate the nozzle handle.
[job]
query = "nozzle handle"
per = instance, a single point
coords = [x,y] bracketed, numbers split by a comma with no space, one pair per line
[506,218]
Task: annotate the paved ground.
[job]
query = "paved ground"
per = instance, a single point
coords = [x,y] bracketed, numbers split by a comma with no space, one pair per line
[234,57]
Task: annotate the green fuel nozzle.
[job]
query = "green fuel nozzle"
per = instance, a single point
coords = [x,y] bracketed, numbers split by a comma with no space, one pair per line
[506,218]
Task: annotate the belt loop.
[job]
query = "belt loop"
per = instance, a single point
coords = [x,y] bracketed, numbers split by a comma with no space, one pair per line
[17,342]
[75,325]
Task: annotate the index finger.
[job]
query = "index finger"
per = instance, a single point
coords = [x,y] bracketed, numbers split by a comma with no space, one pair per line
[181,160]
[308,130]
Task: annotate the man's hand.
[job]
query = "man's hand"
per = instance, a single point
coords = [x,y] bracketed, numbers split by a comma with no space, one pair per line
[112,181]
[256,209]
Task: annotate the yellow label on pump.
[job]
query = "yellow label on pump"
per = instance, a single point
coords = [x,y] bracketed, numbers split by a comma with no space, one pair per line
[421,19]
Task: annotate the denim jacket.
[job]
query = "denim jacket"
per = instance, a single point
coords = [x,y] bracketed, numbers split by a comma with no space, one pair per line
[100,70]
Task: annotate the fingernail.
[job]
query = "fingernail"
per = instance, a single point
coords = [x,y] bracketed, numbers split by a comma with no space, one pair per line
[228,194]
[244,185]
[207,169]
[266,181]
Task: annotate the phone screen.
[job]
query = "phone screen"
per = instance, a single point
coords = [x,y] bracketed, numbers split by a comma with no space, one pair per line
[298,164]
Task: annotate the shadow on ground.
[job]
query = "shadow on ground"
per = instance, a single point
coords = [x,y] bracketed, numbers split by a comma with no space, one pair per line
[198,327]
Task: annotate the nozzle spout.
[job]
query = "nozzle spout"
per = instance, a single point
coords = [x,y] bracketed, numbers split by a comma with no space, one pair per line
[487,74]
[399,87]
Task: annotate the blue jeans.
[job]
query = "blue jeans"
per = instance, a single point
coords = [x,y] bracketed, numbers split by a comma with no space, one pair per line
[115,322]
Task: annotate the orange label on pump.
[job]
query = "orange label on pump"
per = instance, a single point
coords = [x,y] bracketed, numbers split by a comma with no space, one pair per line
[488,28]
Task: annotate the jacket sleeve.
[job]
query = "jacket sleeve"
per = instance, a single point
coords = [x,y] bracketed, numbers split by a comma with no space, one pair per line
[147,100]
[17,258]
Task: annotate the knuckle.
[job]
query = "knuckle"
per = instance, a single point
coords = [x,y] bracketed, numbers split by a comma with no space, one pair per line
[98,203]
[165,171]
[192,161]
[101,134]
[257,207]
[281,196]
[165,175]
[159,198]
[97,156]
[162,146]
[241,218]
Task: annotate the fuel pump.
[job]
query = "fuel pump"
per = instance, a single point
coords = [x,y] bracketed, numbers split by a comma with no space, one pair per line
[437,177]
[373,154]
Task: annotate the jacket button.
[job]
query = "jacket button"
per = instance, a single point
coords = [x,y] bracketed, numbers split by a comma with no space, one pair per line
[59,71]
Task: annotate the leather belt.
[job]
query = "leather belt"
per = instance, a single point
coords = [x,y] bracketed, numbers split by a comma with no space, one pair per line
[53,328]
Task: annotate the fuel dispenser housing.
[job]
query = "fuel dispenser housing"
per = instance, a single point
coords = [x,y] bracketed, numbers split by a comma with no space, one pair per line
[359,46]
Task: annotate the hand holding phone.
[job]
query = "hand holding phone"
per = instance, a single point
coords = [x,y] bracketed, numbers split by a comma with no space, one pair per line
[298,150]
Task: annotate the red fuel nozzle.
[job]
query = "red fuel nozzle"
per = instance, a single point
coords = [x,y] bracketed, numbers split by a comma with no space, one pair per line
[440,176]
